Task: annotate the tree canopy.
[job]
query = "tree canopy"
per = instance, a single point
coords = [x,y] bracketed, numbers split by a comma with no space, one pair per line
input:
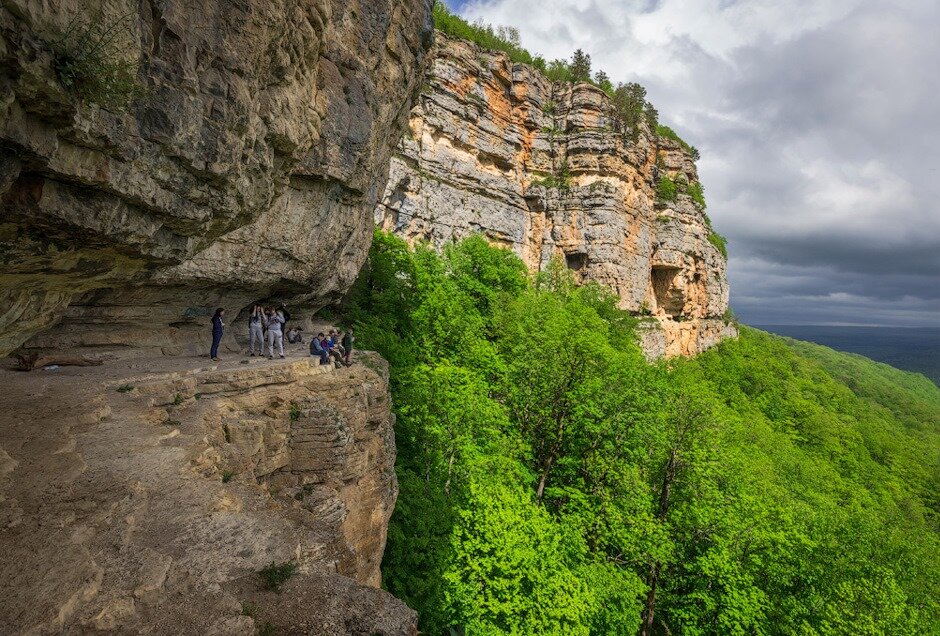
[552,481]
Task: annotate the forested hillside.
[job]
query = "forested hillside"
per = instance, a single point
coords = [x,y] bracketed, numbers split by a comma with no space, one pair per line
[554,482]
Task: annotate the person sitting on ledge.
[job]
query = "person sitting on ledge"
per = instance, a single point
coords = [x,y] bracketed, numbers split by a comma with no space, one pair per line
[331,345]
[295,335]
[319,349]
[335,341]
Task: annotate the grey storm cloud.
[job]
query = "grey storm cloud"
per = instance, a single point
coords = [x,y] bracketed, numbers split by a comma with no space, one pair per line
[819,127]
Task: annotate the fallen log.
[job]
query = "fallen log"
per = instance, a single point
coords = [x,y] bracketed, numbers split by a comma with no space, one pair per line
[31,361]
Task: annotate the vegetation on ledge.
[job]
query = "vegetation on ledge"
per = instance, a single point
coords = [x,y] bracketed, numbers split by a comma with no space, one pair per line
[666,132]
[629,99]
[554,482]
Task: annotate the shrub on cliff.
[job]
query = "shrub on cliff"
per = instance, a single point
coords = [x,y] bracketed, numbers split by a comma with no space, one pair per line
[92,60]
[505,39]
[668,133]
[719,241]
[666,189]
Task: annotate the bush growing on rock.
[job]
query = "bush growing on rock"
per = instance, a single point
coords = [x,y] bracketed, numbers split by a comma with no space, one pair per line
[93,60]
[275,575]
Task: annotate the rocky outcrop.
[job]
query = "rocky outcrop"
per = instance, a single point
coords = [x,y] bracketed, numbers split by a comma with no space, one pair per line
[541,168]
[144,497]
[247,169]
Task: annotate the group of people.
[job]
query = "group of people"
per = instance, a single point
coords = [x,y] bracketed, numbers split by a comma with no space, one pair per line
[269,324]
[337,346]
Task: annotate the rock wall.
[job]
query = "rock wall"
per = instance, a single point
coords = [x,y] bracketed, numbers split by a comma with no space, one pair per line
[486,137]
[144,495]
[247,170]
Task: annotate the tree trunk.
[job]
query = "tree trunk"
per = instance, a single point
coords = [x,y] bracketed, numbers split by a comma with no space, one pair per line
[646,627]
[669,476]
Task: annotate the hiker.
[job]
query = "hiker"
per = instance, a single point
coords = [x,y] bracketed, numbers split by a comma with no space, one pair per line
[318,348]
[295,335]
[336,342]
[274,321]
[348,340]
[332,348]
[255,331]
[218,328]
[286,314]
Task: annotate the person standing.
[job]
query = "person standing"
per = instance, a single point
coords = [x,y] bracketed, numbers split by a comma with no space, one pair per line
[218,328]
[348,340]
[255,331]
[275,334]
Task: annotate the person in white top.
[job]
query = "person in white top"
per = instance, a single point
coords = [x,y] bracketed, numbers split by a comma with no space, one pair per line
[255,331]
[274,320]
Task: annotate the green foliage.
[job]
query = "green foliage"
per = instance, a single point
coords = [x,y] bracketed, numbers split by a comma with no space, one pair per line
[549,476]
[249,609]
[631,108]
[227,476]
[666,189]
[561,180]
[580,66]
[267,629]
[93,60]
[295,412]
[602,81]
[125,388]
[177,399]
[719,242]
[668,133]
[697,192]
[274,575]
[505,39]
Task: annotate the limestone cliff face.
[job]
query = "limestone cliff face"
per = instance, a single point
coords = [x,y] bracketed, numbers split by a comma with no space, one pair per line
[484,138]
[248,170]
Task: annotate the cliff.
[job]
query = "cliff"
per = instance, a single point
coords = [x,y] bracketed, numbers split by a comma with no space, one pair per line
[159,159]
[143,496]
[246,168]
[540,167]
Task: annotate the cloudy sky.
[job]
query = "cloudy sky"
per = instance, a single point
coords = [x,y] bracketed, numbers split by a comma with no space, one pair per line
[819,127]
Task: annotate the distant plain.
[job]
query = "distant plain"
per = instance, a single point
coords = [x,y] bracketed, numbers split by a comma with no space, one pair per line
[909,348]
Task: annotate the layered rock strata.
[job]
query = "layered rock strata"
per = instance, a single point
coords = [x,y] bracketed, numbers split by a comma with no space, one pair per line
[248,168]
[144,497]
[543,169]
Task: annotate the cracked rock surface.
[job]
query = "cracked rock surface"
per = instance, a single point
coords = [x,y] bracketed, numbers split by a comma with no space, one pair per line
[151,509]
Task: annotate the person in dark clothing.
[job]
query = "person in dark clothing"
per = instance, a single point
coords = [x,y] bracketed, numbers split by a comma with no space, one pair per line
[348,339]
[318,348]
[218,328]
[286,314]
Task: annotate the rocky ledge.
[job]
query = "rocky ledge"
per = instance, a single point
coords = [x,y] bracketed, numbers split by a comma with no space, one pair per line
[540,167]
[145,496]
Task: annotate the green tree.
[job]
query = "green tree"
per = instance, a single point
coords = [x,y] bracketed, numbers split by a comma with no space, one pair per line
[580,66]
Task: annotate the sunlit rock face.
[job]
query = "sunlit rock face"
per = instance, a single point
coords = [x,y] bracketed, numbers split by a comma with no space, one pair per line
[248,170]
[484,137]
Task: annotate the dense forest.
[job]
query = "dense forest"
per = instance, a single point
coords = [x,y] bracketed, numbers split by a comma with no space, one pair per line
[554,482]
